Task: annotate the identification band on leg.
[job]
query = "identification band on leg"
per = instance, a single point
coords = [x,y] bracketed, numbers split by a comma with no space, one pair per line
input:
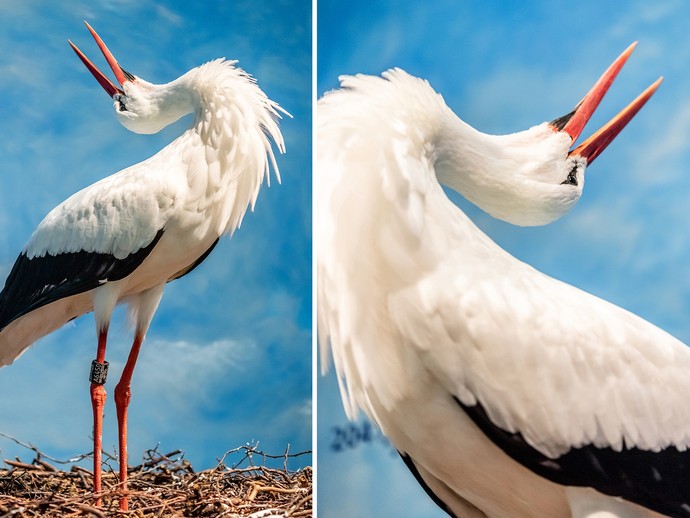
[99,372]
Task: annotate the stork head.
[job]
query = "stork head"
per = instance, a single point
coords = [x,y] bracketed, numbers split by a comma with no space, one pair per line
[140,106]
[535,176]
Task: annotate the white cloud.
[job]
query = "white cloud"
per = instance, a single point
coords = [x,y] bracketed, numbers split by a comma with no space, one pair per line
[186,373]
[642,14]
[663,159]
[169,15]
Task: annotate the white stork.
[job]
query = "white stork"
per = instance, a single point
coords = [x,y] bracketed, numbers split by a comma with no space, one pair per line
[124,237]
[507,393]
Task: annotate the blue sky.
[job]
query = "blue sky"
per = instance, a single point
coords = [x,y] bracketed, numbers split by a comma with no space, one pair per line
[503,67]
[227,360]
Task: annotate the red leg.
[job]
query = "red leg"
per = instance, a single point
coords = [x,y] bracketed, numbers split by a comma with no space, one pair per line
[98,397]
[122,398]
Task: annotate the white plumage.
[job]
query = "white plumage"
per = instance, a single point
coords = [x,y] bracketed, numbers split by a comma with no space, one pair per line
[124,237]
[507,392]
[196,189]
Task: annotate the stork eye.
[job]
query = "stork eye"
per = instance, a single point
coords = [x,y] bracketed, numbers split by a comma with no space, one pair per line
[120,103]
[572,177]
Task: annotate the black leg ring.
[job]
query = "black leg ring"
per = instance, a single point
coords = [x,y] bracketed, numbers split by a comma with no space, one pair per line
[99,372]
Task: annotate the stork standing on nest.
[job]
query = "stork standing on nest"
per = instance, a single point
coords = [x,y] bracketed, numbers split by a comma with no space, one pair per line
[507,392]
[123,238]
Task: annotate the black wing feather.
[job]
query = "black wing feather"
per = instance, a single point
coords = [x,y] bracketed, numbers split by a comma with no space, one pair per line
[413,468]
[658,480]
[35,282]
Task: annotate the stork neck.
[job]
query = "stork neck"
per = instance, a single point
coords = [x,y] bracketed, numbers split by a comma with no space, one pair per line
[516,177]
[464,157]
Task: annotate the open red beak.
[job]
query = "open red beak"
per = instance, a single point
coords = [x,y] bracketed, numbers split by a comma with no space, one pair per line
[575,121]
[121,75]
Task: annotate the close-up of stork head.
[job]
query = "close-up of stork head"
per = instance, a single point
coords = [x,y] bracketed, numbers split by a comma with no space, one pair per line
[532,177]
[141,106]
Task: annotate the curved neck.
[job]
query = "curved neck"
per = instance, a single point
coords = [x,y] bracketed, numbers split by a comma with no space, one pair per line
[517,177]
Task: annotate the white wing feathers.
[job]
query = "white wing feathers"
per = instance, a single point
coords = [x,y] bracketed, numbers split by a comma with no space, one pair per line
[567,371]
[117,215]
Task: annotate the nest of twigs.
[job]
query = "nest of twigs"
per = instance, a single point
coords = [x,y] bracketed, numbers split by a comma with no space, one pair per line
[163,485]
